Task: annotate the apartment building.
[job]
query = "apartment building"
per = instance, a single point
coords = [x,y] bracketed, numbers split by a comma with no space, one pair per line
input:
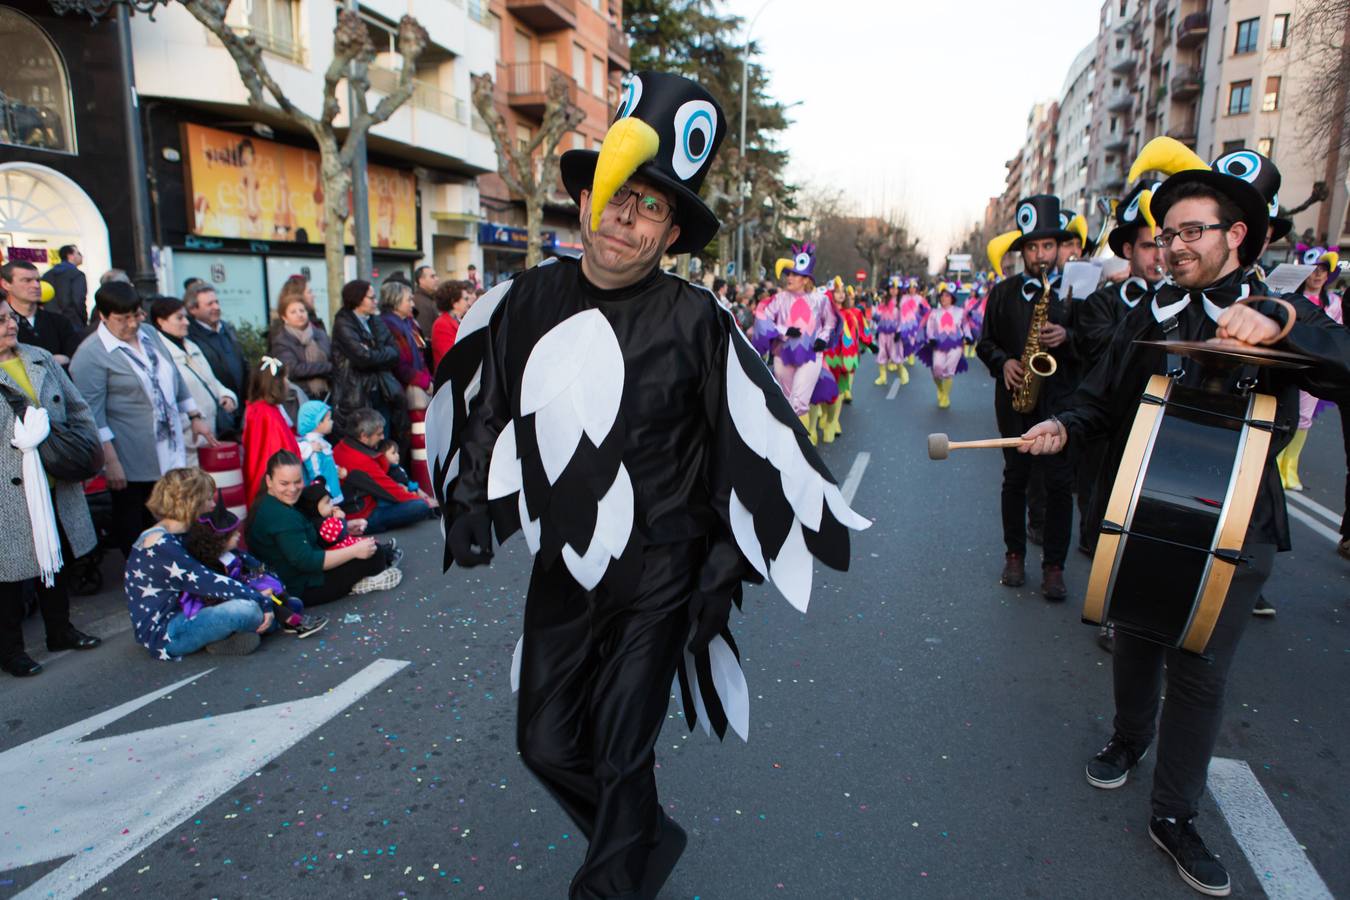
[581,40]
[1073,132]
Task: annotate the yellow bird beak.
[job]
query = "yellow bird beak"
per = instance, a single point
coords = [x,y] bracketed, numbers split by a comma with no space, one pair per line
[628,144]
[998,248]
[1078,226]
[1166,155]
[1331,259]
[779,266]
[1146,210]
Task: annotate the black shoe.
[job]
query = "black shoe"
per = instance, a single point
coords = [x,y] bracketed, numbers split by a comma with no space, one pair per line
[1263,607]
[1195,864]
[72,639]
[663,858]
[1036,535]
[1052,583]
[21,665]
[1014,570]
[1110,768]
[306,626]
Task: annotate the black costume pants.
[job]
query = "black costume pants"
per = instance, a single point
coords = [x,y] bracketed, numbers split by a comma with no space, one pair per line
[1344,409]
[1058,474]
[338,583]
[129,515]
[1088,465]
[54,603]
[595,681]
[1193,710]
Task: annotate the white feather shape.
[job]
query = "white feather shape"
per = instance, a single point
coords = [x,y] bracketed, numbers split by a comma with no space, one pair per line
[729,681]
[475,385]
[504,469]
[791,570]
[840,509]
[558,432]
[780,444]
[743,529]
[528,527]
[613,525]
[745,403]
[481,312]
[560,356]
[805,491]
[515,663]
[699,710]
[440,425]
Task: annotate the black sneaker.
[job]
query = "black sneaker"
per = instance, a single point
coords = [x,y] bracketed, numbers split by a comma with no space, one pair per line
[1110,768]
[306,626]
[1195,864]
[1263,607]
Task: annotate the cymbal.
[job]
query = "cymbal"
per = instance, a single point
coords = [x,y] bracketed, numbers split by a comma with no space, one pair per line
[1225,352]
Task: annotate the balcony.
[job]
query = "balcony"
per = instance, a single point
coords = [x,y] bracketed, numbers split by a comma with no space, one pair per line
[1110,183]
[1160,9]
[527,86]
[1183,131]
[1116,143]
[1120,60]
[544,15]
[1120,100]
[618,49]
[425,96]
[1186,83]
[1193,29]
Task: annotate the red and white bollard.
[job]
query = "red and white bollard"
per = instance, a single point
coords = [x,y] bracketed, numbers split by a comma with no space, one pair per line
[225,464]
[418,468]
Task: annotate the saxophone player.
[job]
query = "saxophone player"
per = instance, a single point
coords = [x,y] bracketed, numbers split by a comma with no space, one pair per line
[1005,345]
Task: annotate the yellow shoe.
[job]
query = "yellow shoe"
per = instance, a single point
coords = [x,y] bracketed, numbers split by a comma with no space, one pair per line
[892,366]
[904,375]
[1289,456]
[944,393]
[810,420]
[910,359]
[881,376]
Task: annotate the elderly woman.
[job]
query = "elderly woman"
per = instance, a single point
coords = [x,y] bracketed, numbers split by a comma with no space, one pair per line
[301,343]
[138,399]
[396,309]
[218,404]
[288,543]
[452,302]
[364,359]
[164,582]
[29,376]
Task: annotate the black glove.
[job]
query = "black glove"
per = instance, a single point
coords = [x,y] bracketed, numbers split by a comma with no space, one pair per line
[468,531]
[794,332]
[709,616]
[873,347]
[819,345]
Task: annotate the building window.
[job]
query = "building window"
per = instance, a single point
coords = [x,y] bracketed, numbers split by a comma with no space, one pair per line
[1266,147]
[1247,31]
[579,65]
[1239,97]
[1279,32]
[272,23]
[1232,146]
[598,77]
[33,82]
[523,137]
[1271,101]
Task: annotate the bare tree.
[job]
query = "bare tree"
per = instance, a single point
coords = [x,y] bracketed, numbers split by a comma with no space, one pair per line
[530,169]
[1322,34]
[351,45]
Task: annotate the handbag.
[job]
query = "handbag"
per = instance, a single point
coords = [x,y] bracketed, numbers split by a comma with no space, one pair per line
[226,424]
[71,452]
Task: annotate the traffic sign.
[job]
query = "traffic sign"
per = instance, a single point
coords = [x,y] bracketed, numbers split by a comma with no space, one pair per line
[860,275]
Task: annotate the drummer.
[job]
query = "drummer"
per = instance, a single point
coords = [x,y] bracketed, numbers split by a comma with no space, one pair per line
[1213,225]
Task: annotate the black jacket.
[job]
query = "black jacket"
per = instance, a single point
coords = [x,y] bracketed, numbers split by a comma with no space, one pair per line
[50,331]
[1106,402]
[364,357]
[1007,318]
[72,293]
[222,351]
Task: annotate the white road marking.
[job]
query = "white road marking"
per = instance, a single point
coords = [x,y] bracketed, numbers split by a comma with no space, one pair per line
[1313,506]
[895,389]
[1281,866]
[855,475]
[100,802]
[1328,533]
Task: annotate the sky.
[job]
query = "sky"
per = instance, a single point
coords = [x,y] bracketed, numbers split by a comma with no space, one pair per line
[914,107]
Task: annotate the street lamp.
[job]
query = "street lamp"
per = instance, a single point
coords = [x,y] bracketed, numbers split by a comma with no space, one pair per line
[740,186]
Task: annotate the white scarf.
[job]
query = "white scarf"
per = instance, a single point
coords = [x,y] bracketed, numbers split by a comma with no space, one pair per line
[28,436]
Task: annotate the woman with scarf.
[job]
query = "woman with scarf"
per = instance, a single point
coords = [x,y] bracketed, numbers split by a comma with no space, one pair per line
[398,312]
[301,344]
[218,404]
[364,359]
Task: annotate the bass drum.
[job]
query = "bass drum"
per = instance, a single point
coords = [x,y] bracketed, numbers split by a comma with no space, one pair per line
[1177,516]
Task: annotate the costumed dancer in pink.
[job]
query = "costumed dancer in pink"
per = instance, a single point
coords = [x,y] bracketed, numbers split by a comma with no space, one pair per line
[974,307]
[1317,288]
[886,315]
[803,324]
[948,332]
[913,316]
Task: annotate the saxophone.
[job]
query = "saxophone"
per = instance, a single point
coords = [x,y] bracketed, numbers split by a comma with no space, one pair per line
[1036,363]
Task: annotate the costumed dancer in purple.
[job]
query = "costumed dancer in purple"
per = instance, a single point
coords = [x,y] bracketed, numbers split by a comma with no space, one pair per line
[886,316]
[948,333]
[803,323]
[974,307]
[913,316]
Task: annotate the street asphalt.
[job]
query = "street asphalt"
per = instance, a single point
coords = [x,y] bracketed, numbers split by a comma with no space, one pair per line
[921,732]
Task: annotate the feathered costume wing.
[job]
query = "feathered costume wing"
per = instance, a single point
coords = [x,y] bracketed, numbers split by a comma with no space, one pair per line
[556,472]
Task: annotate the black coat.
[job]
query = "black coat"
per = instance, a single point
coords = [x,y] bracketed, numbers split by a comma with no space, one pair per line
[364,357]
[1007,317]
[72,293]
[50,331]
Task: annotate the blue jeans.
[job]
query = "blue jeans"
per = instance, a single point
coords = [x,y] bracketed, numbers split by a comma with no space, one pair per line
[213,623]
[388,516]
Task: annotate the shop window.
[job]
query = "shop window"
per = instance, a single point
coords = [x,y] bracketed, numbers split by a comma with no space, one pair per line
[35,109]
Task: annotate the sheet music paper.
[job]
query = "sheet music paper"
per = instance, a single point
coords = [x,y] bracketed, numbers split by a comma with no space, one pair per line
[1083,276]
[1286,277]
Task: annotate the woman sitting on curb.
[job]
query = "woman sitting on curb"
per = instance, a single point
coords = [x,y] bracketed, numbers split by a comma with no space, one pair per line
[160,571]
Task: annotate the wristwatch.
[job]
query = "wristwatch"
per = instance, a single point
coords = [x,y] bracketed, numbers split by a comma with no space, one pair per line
[195,415]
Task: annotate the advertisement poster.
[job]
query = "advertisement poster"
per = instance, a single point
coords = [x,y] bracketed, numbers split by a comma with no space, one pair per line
[240,186]
[238,281]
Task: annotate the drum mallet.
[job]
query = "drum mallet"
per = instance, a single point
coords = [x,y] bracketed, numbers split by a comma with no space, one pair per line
[939,445]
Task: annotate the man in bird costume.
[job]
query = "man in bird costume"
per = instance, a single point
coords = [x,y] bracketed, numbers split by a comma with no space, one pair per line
[801,323]
[616,416]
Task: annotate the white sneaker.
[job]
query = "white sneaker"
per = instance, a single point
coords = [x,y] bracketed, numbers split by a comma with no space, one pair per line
[384,581]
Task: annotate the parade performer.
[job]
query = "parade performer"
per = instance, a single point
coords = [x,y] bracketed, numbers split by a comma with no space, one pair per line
[840,361]
[1316,288]
[974,307]
[1213,225]
[914,310]
[1006,346]
[801,323]
[943,353]
[857,336]
[615,415]
[1075,244]
[886,321]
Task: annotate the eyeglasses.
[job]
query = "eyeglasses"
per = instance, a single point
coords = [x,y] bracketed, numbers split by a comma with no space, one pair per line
[653,209]
[1190,234]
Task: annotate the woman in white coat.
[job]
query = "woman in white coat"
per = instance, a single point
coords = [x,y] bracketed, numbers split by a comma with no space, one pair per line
[171,320]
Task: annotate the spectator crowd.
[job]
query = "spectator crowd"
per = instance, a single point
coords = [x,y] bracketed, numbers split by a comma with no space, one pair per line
[109,413]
